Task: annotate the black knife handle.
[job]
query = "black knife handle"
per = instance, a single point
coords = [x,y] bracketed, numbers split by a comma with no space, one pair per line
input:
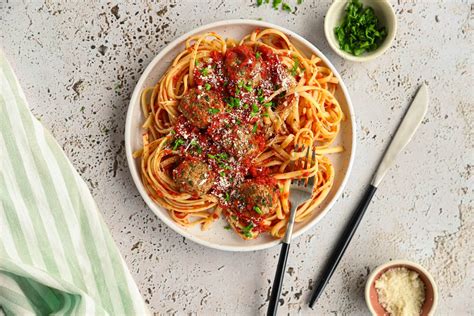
[278,280]
[342,244]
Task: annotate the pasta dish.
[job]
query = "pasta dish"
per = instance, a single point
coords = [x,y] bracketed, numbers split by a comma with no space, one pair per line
[225,124]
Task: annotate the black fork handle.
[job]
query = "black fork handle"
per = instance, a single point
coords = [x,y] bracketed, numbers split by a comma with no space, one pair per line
[278,280]
[342,244]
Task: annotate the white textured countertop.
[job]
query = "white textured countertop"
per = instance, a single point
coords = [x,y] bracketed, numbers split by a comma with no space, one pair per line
[78,64]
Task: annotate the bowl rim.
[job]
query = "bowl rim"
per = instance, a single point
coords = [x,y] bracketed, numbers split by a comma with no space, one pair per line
[394,263]
[372,55]
[136,96]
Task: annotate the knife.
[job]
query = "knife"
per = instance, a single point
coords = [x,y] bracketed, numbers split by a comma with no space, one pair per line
[407,128]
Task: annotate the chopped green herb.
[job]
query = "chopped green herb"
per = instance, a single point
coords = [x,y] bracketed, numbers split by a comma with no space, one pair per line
[240,84]
[207,86]
[247,228]
[255,109]
[285,7]
[237,91]
[222,156]
[268,104]
[254,129]
[213,111]
[196,62]
[248,87]
[234,217]
[265,114]
[276,3]
[227,196]
[261,98]
[227,227]
[196,145]
[259,2]
[177,143]
[299,1]
[222,174]
[258,210]
[257,55]
[359,31]
[205,71]
[295,67]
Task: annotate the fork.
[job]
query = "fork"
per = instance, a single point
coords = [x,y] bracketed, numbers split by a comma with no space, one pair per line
[301,185]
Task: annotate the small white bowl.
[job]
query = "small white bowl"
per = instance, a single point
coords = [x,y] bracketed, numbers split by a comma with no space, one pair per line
[385,14]
[431,290]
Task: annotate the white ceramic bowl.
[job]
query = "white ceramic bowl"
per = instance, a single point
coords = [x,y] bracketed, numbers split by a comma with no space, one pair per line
[431,290]
[217,237]
[385,14]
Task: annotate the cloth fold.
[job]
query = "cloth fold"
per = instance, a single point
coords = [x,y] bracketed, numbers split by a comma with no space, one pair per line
[56,253]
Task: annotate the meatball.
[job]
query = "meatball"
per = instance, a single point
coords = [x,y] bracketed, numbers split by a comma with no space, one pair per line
[240,62]
[257,197]
[200,105]
[236,137]
[193,177]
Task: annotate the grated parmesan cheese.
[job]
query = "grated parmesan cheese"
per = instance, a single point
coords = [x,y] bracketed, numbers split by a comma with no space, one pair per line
[401,292]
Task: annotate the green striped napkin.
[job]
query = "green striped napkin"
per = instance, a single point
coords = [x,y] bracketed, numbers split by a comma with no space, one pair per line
[56,253]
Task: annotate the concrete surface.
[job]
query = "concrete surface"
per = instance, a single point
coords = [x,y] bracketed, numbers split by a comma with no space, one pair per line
[78,63]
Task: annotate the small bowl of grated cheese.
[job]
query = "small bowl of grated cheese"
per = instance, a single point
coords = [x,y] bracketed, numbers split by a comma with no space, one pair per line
[399,288]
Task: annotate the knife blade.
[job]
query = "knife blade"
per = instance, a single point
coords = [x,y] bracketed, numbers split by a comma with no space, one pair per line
[407,128]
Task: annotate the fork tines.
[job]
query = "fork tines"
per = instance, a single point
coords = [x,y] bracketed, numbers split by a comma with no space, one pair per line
[305,162]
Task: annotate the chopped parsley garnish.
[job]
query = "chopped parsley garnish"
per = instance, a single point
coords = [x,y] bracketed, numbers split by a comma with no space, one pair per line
[255,109]
[178,143]
[248,87]
[268,104]
[279,4]
[220,158]
[222,174]
[254,129]
[196,145]
[205,71]
[265,114]
[234,217]
[246,231]
[285,7]
[257,55]
[295,67]
[233,102]
[261,98]
[196,62]
[227,227]
[359,32]
[207,86]
[240,84]
[227,196]
[258,210]
[213,111]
